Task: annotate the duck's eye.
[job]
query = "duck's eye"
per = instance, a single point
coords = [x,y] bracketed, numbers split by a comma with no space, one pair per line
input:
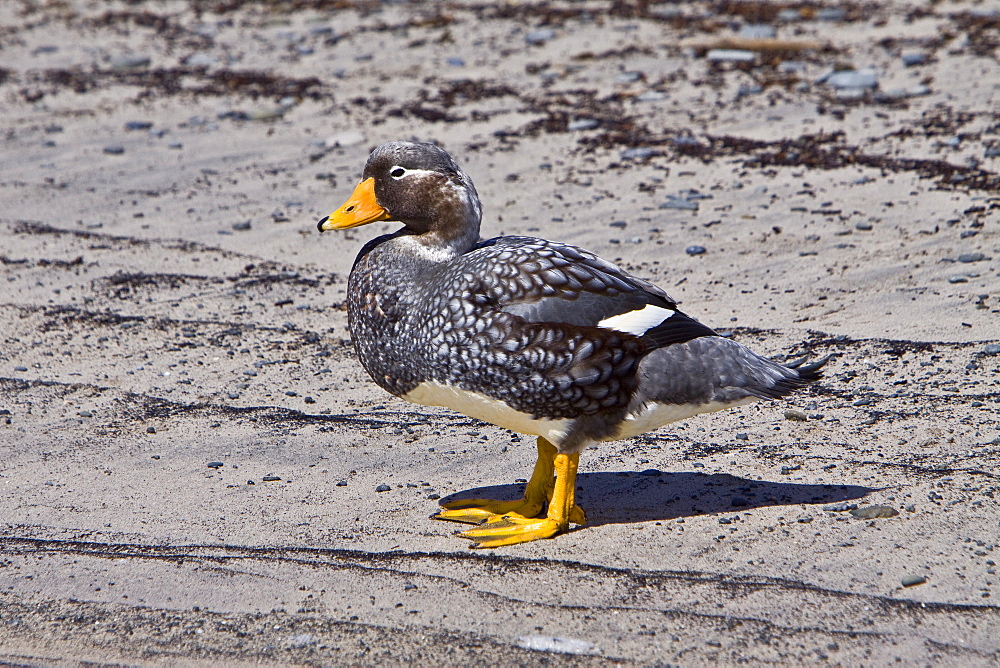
[397,172]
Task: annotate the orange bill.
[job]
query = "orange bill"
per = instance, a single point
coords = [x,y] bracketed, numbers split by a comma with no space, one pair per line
[360,208]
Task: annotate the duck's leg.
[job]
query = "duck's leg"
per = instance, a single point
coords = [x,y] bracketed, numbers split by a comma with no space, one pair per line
[536,495]
[512,529]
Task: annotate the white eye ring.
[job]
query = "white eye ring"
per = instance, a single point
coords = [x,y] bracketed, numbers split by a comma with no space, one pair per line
[397,172]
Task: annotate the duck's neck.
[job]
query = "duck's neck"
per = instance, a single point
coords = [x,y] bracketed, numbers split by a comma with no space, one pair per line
[451,234]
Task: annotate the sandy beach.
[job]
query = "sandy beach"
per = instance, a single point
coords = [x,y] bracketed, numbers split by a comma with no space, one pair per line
[191,452]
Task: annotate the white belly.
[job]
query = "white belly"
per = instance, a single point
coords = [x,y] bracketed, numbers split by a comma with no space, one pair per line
[656,415]
[487,409]
[496,412]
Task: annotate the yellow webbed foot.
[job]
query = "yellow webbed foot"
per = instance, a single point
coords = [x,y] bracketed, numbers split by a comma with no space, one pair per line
[511,530]
[537,494]
[477,511]
[562,511]
[512,522]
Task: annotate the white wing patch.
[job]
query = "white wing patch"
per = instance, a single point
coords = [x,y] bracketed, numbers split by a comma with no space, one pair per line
[637,322]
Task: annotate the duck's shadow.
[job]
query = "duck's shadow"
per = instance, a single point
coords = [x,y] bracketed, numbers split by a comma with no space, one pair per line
[627,497]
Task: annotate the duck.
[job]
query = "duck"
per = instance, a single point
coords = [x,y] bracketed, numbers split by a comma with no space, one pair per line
[539,337]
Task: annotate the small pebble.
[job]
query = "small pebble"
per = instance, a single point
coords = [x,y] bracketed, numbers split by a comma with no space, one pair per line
[971,257]
[200,60]
[788,470]
[792,67]
[992,348]
[270,478]
[537,37]
[695,250]
[582,124]
[794,415]
[150,430]
[265,114]
[651,96]
[113,150]
[914,58]
[309,400]
[129,62]
[138,125]
[731,56]
[638,153]
[866,78]
[673,202]
[242,226]
[85,414]
[913,580]
[556,644]
[341,483]
[21,368]
[957,279]
[383,488]
[751,89]
[628,77]
[455,61]
[215,465]
[863,225]
[742,437]
[849,94]
[830,14]
[757,31]
[874,512]
[840,507]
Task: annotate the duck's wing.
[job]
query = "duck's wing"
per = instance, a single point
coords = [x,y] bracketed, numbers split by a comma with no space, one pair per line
[547,282]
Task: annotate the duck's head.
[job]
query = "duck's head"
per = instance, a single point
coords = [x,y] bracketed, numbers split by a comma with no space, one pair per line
[417,184]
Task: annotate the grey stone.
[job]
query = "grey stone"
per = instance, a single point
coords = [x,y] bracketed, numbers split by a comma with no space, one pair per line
[583,124]
[130,62]
[757,31]
[537,37]
[638,153]
[731,56]
[674,202]
[866,78]
[914,58]
[874,512]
